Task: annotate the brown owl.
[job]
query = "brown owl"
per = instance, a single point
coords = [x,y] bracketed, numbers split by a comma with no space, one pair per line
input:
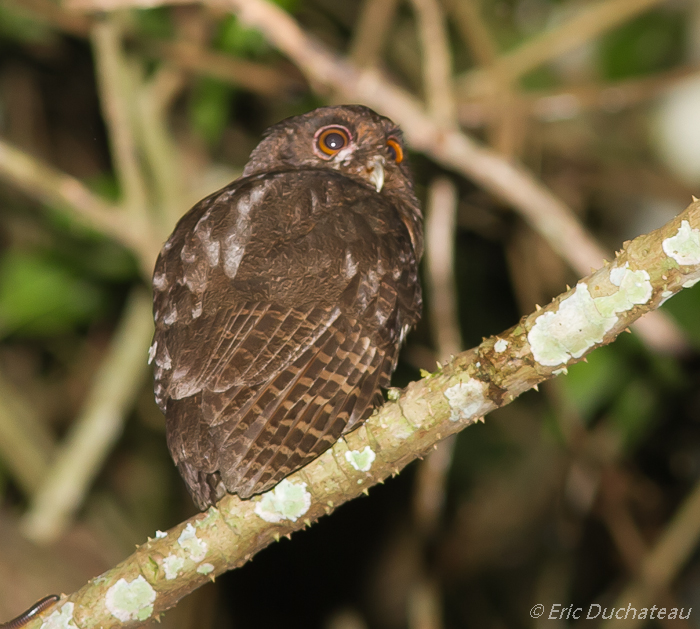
[281,301]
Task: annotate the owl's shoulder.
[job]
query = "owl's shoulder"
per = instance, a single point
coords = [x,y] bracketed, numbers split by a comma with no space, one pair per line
[294,218]
[278,200]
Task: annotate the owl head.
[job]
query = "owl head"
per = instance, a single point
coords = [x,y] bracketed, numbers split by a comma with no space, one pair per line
[350,139]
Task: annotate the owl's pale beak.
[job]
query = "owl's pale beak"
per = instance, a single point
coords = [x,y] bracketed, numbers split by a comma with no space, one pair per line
[376,172]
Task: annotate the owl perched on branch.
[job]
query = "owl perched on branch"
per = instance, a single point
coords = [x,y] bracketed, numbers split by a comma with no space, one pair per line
[281,301]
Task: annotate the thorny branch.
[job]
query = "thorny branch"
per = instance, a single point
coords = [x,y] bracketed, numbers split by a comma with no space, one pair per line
[645,273]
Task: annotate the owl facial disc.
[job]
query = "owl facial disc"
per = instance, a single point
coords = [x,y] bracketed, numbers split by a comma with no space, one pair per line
[376,172]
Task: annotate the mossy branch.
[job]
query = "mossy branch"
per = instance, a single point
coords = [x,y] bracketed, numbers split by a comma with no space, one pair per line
[645,273]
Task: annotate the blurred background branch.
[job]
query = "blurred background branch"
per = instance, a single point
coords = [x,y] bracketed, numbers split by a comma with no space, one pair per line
[586,25]
[116,83]
[26,443]
[437,61]
[46,184]
[96,428]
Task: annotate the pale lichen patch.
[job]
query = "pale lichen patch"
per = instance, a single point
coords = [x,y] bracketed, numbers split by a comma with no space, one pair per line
[161,534]
[634,289]
[583,321]
[287,501]
[189,542]
[466,399]
[684,247]
[361,460]
[172,565]
[404,429]
[691,283]
[577,326]
[61,618]
[131,600]
[665,296]
[500,346]
[205,568]
[393,394]
[209,519]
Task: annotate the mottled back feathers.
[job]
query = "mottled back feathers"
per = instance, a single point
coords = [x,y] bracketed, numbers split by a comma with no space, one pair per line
[281,302]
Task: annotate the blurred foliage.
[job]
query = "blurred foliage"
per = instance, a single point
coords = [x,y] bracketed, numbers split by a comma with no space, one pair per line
[591,386]
[154,22]
[17,25]
[525,517]
[240,41]
[210,105]
[40,296]
[685,308]
[652,42]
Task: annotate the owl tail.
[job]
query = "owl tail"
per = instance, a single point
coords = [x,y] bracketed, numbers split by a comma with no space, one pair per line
[206,489]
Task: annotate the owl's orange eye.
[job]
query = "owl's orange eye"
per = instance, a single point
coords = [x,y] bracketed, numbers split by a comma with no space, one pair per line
[332,139]
[395,150]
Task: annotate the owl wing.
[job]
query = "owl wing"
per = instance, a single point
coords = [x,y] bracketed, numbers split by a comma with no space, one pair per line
[261,367]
